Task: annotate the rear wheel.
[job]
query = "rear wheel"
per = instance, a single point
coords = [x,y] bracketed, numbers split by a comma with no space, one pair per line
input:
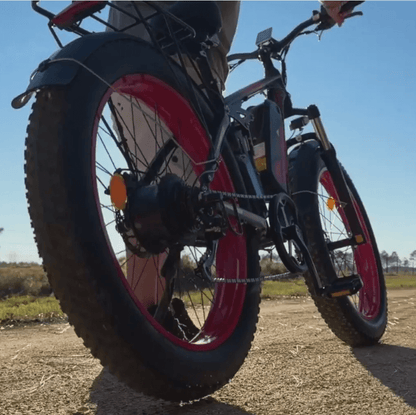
[359,319]
[137,299]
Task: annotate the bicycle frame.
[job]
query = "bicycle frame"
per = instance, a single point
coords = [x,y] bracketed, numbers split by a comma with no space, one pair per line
[274,123]
[274,180]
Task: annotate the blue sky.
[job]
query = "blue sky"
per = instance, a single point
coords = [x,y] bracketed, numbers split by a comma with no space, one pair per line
[362,77]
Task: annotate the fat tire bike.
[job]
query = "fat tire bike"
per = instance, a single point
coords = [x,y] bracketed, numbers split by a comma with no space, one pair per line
[151,195]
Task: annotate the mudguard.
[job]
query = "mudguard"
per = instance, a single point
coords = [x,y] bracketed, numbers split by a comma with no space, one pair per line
[52,72]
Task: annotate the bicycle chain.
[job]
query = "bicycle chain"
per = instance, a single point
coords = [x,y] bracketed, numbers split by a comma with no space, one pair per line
[241,196]
[278,277]
[270,197]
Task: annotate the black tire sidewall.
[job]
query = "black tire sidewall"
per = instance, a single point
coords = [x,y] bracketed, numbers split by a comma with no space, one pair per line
[83,98]
[306,166]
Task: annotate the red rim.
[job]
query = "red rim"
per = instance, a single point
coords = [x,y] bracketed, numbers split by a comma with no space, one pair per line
[231,258]
[364,258]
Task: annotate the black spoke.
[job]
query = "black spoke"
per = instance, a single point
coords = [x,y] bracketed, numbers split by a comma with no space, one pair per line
[102,168]
[193,307]
[190,172]
[105,147]
[124,151]
[137,147]
[119,252]
[109,223]
[102,184]
[141,274]
[205,295]
[156,263]
[203,305]
[162,139]
[341,232]
[108,208]
[134,128]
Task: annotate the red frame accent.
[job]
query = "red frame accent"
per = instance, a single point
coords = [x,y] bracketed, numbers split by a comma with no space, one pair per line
[76,11]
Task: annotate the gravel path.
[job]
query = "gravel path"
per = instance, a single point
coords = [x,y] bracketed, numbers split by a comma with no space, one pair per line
[296,366]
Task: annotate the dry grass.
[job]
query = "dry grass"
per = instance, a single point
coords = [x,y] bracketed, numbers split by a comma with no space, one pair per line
[21,287]
[28,308]
[23,280]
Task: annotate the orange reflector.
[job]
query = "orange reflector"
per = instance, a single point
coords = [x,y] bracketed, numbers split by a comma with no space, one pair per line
[260,163]
[330,203]
[341,293]
[118,192]
[359,239]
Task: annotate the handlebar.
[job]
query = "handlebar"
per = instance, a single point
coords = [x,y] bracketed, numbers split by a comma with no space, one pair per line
[277,46]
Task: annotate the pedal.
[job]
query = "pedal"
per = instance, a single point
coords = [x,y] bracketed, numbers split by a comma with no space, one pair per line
[343,287]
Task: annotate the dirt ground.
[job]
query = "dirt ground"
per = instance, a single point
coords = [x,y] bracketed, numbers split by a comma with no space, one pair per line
[296,366]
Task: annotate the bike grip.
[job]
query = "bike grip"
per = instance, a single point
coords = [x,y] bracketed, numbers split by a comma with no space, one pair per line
[313,112]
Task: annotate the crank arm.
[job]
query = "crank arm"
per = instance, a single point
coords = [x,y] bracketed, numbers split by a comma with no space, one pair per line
[340,287]
[294,233]
[246,216]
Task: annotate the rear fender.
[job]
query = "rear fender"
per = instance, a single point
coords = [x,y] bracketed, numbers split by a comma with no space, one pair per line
[56,72]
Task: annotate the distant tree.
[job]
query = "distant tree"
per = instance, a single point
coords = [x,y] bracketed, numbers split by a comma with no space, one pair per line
[1,231]
[187,263]
[270,255]
[412,258]
[395,260]
[12,257]
[405,264]
[344,262]
[385,257]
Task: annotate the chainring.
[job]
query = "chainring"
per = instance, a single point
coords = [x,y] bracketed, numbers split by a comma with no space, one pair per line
[283,216]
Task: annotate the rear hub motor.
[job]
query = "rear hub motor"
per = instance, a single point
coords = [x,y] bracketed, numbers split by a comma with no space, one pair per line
[159,215]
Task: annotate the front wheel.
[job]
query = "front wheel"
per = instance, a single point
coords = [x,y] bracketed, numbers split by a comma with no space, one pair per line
[359,319]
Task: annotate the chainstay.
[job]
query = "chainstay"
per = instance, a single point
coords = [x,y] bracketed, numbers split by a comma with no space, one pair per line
[278,277]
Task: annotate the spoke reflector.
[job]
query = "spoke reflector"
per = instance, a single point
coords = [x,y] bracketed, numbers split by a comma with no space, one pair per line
[118,191]
[330,203]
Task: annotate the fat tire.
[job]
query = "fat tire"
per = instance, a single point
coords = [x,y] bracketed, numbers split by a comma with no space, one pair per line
[339,314]
[66,232]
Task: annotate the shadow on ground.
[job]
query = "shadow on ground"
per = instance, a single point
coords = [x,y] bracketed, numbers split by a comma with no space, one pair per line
[394,366]
[112,397]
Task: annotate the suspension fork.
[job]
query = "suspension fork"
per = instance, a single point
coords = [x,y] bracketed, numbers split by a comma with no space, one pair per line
[329,156]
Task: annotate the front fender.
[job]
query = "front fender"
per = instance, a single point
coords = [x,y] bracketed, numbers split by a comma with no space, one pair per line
[54,72]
